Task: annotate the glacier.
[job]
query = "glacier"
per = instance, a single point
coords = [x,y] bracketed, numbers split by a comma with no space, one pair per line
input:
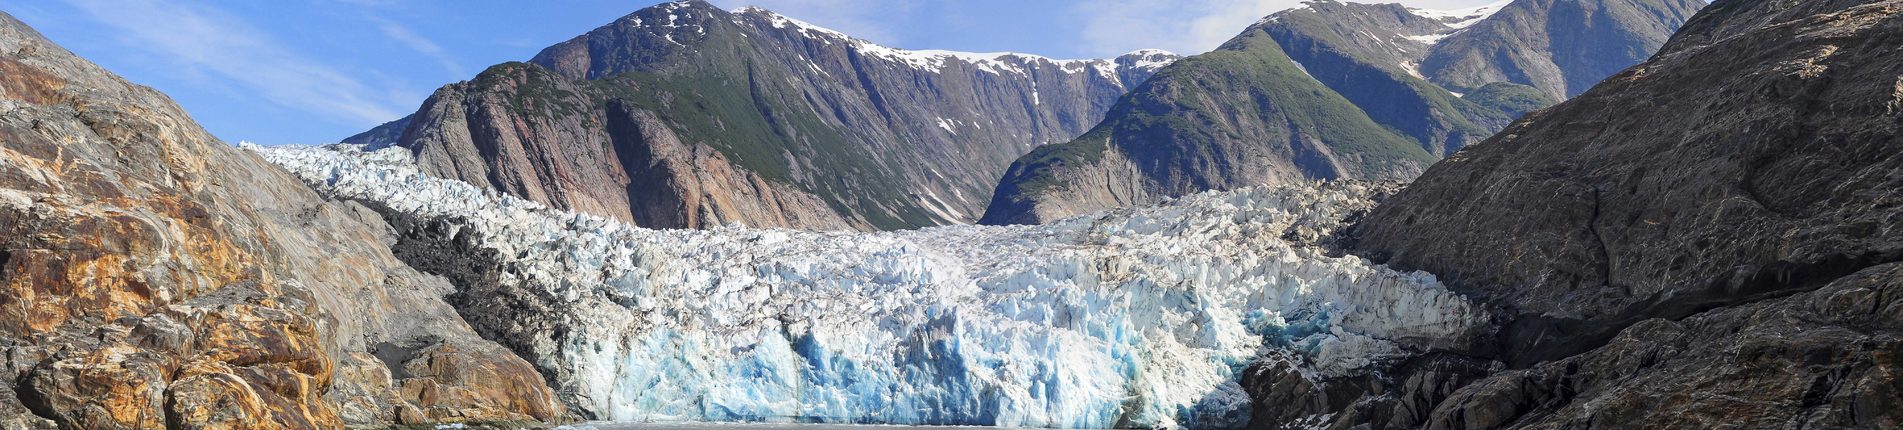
[1131,318]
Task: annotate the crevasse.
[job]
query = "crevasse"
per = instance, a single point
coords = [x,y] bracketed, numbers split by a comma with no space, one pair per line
[1138,317]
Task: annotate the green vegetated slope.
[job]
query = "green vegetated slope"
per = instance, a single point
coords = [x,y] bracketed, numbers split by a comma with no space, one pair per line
[1331,90]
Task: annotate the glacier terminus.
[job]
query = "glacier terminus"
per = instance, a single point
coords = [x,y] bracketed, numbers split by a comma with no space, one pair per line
[1134,317]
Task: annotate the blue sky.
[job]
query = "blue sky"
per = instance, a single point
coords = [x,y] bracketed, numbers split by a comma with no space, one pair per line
[314,71]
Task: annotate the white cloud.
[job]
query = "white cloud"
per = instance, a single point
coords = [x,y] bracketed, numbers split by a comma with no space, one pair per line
[420,44]
[1182,26]
[223,47]
[1188,26]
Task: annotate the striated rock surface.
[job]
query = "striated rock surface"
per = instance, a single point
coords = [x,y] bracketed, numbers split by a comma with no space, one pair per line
[154,277]
[683,115]
[1350,87]
[1708,239]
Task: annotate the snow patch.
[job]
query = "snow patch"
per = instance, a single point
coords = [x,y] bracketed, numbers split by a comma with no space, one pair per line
[1462,18]
[1429,39]
[1412,68]
[933,60]
[1304,69]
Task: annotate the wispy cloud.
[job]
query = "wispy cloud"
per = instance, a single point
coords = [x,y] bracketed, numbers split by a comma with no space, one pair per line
[223,46]
[420,44]
[1182,26]
[1189,26]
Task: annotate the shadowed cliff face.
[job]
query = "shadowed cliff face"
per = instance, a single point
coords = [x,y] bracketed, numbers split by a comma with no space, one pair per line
[1711,238]
[151,276]
[683,115]
[1349,89]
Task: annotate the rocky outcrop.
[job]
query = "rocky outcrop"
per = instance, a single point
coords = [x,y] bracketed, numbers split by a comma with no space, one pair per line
[1708,239]
[1561,47]
[154,277]
[1353,77]
[687,116]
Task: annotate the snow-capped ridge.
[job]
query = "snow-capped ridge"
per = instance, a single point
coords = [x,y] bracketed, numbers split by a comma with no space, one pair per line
[1462,18]
[936,60]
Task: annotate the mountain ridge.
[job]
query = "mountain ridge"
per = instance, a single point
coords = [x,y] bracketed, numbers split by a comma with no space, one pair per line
[846,133]
[1385,60]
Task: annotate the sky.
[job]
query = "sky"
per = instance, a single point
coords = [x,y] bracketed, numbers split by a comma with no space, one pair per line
[316,71]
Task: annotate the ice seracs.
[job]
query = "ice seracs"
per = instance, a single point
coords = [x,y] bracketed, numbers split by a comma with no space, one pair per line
[1134,317]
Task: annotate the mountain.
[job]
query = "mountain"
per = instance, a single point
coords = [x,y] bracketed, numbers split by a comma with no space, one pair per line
[1182,132]
[1387,74]
[154,277]
[686,115]
[1708,239]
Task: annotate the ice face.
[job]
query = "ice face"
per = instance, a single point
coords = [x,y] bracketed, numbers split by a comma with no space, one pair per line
[1138,317]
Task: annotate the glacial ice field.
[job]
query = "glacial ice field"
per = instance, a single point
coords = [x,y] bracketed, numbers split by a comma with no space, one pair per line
[1137,317]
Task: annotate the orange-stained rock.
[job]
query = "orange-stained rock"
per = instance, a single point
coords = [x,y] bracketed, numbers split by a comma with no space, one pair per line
[463,384]
[116,386]
[152,276]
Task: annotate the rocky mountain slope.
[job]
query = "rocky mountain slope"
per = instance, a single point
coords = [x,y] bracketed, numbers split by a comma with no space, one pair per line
[686,115]
[154,277]
[1712,238]
[1362,81]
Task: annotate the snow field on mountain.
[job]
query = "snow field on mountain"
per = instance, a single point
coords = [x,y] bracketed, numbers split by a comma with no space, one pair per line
[1133,317]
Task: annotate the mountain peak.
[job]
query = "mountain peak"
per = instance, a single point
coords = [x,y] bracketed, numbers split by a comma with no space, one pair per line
[938,59]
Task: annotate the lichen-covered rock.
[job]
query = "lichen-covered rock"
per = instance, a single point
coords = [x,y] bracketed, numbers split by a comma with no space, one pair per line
[154,277]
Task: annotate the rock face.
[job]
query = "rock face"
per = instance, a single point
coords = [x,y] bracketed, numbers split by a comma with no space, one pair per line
[1712,238]
[685,115]
[1244,114]
[1346,89]
[1451,78]
[153,277]
[1561,47]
